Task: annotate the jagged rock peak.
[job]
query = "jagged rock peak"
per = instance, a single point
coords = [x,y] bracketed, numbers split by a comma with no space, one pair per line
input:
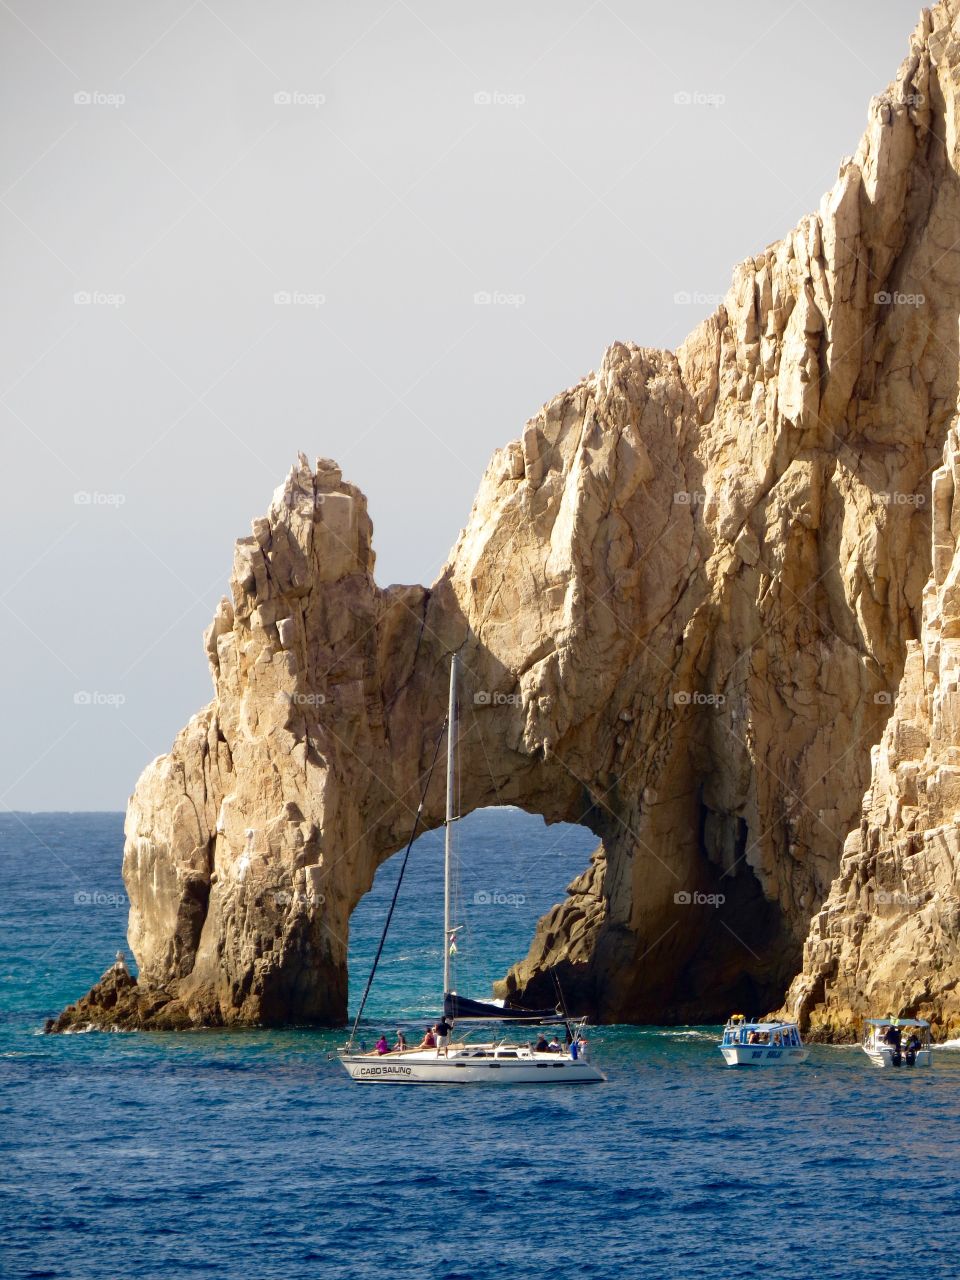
[683,599]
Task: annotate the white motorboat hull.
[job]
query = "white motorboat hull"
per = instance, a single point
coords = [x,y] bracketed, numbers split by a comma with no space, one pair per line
[468,1067]
[883,1057]
[763,1055]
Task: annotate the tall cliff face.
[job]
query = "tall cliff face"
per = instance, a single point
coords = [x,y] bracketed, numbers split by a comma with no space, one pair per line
[683,602]
[888,937]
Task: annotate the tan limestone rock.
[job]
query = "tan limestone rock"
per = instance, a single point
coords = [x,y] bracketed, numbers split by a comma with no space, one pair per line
[683,599]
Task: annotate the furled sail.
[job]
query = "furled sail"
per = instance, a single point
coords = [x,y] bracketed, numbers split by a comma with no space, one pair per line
[460,1009]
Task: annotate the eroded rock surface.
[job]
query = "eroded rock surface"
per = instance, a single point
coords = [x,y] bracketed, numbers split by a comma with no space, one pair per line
[888,937]
[683,600]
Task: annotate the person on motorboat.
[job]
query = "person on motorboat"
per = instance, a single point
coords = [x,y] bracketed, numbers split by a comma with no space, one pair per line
[401,1043]
[913,1048]
[893,1039]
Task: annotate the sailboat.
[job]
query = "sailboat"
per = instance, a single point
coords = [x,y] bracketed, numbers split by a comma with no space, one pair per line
[459,1061]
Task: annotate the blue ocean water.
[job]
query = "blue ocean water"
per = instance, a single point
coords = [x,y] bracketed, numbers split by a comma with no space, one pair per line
[252,1155]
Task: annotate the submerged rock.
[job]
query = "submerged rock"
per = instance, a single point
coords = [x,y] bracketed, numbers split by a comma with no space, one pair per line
[683,602]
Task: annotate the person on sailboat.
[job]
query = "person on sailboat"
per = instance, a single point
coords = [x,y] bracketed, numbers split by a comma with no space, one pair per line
[443,1034]
[382,1047]
[429,1040]
[541,1046]
[554,1045]
[401,1042]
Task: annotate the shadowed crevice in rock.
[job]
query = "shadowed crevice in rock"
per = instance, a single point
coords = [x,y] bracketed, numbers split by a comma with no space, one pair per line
[887,940]
[683,600]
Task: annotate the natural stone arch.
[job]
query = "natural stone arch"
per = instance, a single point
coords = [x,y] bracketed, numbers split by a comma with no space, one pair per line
[693,574]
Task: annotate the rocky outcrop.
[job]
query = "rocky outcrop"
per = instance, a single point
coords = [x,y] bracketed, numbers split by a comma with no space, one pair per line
[118,1001]
[683,601]
[887,939]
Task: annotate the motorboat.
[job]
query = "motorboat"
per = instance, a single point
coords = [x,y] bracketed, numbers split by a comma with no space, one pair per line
[897,1042]
[761,1044]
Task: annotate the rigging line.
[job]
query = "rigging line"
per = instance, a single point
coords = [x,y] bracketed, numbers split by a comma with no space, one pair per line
[396,891]
[562,1004]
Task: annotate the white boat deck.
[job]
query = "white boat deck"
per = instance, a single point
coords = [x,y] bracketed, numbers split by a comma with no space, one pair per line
[463,1063]
[761,1044]
[913,1049]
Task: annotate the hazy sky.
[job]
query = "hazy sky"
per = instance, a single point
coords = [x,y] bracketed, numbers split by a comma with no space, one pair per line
[169,168]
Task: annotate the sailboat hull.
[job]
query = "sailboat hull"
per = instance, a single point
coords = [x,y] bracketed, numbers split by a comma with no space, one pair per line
[498,1062]
[469,1066]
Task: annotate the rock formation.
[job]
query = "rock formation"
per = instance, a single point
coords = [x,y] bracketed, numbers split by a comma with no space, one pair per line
[683,601]
[888,937]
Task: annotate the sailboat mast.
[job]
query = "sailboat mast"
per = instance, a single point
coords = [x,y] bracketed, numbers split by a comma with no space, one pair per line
[448,834]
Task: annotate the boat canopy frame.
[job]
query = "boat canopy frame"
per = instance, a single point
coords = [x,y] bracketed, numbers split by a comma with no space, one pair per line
[896,1022]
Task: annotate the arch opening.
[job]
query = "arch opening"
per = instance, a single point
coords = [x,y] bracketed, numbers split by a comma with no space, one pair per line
[510,869]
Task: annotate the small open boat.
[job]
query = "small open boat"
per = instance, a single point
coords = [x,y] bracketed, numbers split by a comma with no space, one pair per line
[761,1044]
[897,1042]
[450,1061]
